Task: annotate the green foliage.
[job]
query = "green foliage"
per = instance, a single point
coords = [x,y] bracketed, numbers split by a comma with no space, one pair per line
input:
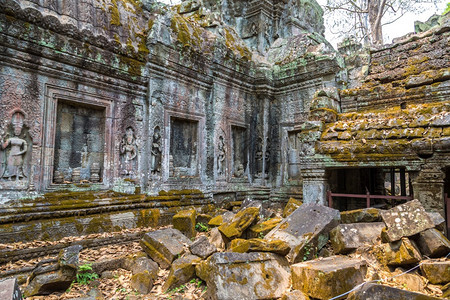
[447,9]
[200,227]
[84,275]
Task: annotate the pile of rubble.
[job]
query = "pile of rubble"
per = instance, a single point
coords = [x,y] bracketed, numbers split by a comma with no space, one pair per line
[307,252]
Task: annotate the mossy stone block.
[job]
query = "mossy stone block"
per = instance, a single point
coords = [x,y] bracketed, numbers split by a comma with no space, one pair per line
[184,221]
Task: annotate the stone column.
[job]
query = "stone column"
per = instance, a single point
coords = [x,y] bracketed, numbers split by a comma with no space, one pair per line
[315,186]
[428,188]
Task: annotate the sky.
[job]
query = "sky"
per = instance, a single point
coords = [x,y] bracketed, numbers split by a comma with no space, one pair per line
[399,28]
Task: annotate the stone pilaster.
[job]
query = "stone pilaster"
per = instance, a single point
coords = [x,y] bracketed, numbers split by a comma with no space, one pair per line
[428,188]
[315,186]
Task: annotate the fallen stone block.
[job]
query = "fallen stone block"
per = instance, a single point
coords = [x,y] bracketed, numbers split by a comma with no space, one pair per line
[260,245]
[328,277]
[305,230]
[406,220]
[263,212]
[291,206]
[48,283]
[108,265]
[241,221]
[438,220]
[411,282]
[9,290]
[69,257]
[164,245]
[202,247]
[348,237]
[139,263]
[363,215]
[142,282]
[433,243]
[294,295]
[203,218]
[260,229]
[372,291]
[184,221]
[437,272]
[232,276]
[221,219]
[217,239]
[181,271]
[399,253]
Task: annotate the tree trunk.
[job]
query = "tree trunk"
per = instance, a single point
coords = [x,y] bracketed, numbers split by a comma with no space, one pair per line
[376,8]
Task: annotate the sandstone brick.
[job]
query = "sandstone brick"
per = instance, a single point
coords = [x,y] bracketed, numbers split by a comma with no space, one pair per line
[328,277]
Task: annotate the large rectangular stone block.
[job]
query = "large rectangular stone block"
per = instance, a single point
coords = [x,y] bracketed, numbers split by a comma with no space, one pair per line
[348,237]
[406,220]
[328,277]
[256,275]
[305,230]
[164,245]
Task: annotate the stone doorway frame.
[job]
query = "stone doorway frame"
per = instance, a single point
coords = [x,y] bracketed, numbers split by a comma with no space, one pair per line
[201,156]
[54,94]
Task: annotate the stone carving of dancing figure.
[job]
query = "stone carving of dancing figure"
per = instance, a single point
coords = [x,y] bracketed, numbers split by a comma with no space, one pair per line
[18,148]
[156,151]
[129,151]
[221,154]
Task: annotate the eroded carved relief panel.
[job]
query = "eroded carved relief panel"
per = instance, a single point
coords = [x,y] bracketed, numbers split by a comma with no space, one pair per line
[79,143]
[240,152]
[183,158]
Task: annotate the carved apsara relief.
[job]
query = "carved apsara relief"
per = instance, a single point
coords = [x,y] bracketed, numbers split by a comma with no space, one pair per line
[15,148]
[129,151]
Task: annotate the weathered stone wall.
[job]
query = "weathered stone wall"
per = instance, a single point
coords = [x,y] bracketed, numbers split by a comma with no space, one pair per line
[223,97]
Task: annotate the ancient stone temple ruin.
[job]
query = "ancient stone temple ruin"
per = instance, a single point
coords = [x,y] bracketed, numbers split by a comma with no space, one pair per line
[206,103]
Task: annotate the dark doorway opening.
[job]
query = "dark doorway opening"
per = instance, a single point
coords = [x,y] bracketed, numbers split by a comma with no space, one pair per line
[373,181]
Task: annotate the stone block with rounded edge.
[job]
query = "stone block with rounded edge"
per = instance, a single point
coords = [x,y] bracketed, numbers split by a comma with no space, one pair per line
[348,237]
[181,272]
[202,247]
[372,291]
[291,206]
[436,271]
[433,243]
[164,246]
[403,252]
[232,276]
[142,282]
[241,221]
[328,277]
[48,283]
[406,220]
[305,230]
[184,221]
[363,215]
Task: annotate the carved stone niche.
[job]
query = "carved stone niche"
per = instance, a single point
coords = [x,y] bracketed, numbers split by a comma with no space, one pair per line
[15,153]
[183,154]
[79,143]
[293,155]
[239,152]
